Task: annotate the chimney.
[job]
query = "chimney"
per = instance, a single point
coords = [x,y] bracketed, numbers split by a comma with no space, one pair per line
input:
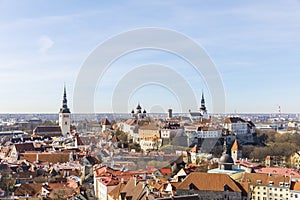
[37,157]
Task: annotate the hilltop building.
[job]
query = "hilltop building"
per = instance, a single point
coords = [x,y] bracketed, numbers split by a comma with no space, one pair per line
[139,114]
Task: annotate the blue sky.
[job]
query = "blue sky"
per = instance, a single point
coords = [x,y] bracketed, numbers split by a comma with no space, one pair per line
[254,45]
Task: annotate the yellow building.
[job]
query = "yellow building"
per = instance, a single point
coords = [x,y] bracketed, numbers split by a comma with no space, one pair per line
[266,186]
[295,160]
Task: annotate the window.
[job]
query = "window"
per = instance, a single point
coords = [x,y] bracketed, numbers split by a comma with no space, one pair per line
[192,186]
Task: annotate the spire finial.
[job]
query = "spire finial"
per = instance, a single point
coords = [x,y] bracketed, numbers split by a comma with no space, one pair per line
[65,93]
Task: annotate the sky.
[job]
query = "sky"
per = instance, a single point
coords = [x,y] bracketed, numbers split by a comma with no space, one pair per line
[254,45]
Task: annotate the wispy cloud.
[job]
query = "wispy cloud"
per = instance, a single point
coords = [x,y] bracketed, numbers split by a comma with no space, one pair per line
[45,43]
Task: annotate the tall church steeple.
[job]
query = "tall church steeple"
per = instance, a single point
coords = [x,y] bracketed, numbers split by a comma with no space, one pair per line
[65,116]
[64,108]
[202,106]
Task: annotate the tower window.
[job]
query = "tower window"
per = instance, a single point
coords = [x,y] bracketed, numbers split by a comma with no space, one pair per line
[66,123]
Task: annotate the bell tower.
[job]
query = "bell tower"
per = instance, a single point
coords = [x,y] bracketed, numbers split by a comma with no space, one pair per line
[64,120]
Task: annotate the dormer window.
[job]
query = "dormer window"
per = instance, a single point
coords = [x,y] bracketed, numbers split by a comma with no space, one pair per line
[281,184]
[226,188]
[192,186]
[287,185]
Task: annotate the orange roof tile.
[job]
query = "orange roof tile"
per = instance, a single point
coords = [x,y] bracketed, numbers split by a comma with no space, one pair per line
[280,171]
[295,186]
[264,179]
[135,189]
[114,194]
[58,157]
[235,146]
[208,182]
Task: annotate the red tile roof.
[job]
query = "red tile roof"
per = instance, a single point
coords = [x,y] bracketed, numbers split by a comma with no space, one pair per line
[24,147]
[209,182]
[135,189]
[278,170]
[117,190]
[48,130]
[166,171]
[264,179]
[58,157]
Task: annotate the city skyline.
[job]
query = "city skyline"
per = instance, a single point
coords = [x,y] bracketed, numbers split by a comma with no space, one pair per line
[253,46]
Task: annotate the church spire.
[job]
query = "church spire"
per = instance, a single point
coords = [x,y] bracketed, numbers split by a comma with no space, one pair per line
[202,106]
[65,108]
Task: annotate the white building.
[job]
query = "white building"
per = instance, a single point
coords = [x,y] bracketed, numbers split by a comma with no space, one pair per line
[150,144]
[266,186]
[198,132]
[171,129]
[130,127]
[238,126]
[171,133]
